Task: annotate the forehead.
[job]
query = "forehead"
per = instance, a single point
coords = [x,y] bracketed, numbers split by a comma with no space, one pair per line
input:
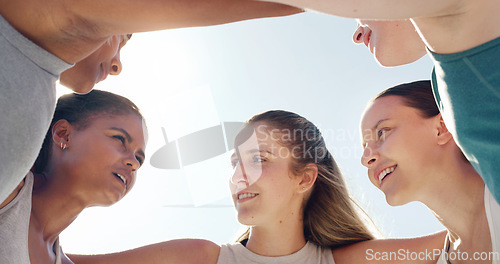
[131,123]
[257,136]
[382,108]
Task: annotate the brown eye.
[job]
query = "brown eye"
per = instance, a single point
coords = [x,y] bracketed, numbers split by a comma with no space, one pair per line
[120,138]
[258,159]
[381,133]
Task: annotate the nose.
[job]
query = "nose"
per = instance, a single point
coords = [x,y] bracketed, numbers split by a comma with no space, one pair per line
[357,37]
[132,163]
[239,177]
[116,64]
[369,157]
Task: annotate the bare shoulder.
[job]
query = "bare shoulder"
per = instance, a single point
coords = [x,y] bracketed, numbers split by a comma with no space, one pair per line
[425,249]
[173,251]
[208,251]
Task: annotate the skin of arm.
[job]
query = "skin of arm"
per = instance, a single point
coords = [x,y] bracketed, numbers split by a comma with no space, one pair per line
[373,251]
[378,9]
[446,26]
[173,251]
[203,251]
[73,29]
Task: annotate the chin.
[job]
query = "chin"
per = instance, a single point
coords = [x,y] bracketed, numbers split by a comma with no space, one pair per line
[395,201]
[112,198]
[390,61]
[246,219]
[80,88]
[83,90]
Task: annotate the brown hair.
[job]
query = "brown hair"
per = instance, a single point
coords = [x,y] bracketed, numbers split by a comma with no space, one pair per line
[331,218]
[416,94]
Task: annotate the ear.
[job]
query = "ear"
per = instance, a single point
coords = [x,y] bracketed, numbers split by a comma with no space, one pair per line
[443,135]
[61,132]
[309,176]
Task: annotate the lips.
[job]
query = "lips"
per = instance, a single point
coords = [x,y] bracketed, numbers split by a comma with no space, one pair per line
[245,196]
[122,178]
[382,174]
[366,37]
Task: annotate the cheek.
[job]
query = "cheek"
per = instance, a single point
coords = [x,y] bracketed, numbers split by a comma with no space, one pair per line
[283,189]
[232,188]
[88,71]
[392,147]
[385,37]
[109,51]
[381,45]
[408,146]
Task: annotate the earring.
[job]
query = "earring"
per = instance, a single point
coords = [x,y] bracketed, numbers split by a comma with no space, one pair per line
[63,147]
[303,188]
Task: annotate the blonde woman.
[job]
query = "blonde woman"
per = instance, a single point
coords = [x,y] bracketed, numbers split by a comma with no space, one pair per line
[288,189]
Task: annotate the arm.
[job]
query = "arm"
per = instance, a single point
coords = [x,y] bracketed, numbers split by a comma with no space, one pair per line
[174,251]
[379,9]
[73,29]
[446,26]
[411,250]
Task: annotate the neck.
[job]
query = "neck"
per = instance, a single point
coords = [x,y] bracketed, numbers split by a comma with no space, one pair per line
[53,209]
[457,200]
[282,238]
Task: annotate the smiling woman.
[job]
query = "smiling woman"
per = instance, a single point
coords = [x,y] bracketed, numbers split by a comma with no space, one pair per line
[291,193]
[411,156]
[90,156]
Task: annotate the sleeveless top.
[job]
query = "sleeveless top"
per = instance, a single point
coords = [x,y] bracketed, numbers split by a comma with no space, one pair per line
[310,254]
[14,226]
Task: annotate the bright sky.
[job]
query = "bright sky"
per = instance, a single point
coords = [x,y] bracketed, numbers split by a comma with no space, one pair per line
[187,80]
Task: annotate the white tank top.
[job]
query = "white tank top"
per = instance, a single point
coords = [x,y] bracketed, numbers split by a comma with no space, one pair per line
[310,254]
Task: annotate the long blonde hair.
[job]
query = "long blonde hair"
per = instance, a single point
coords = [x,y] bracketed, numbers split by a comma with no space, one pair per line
[331,217]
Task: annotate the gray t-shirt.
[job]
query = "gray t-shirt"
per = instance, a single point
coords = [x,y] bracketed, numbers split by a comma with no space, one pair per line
[14,226]
[27,100]
[310,254]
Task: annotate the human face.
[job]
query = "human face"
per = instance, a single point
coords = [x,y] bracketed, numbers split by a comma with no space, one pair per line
[392,43]
[264,189]
[400,149]
[82,77]
[103,157]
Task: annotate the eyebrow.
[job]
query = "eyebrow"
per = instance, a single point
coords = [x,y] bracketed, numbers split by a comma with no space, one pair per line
[252,151]
[363,143]
[129,139]
[378,123]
